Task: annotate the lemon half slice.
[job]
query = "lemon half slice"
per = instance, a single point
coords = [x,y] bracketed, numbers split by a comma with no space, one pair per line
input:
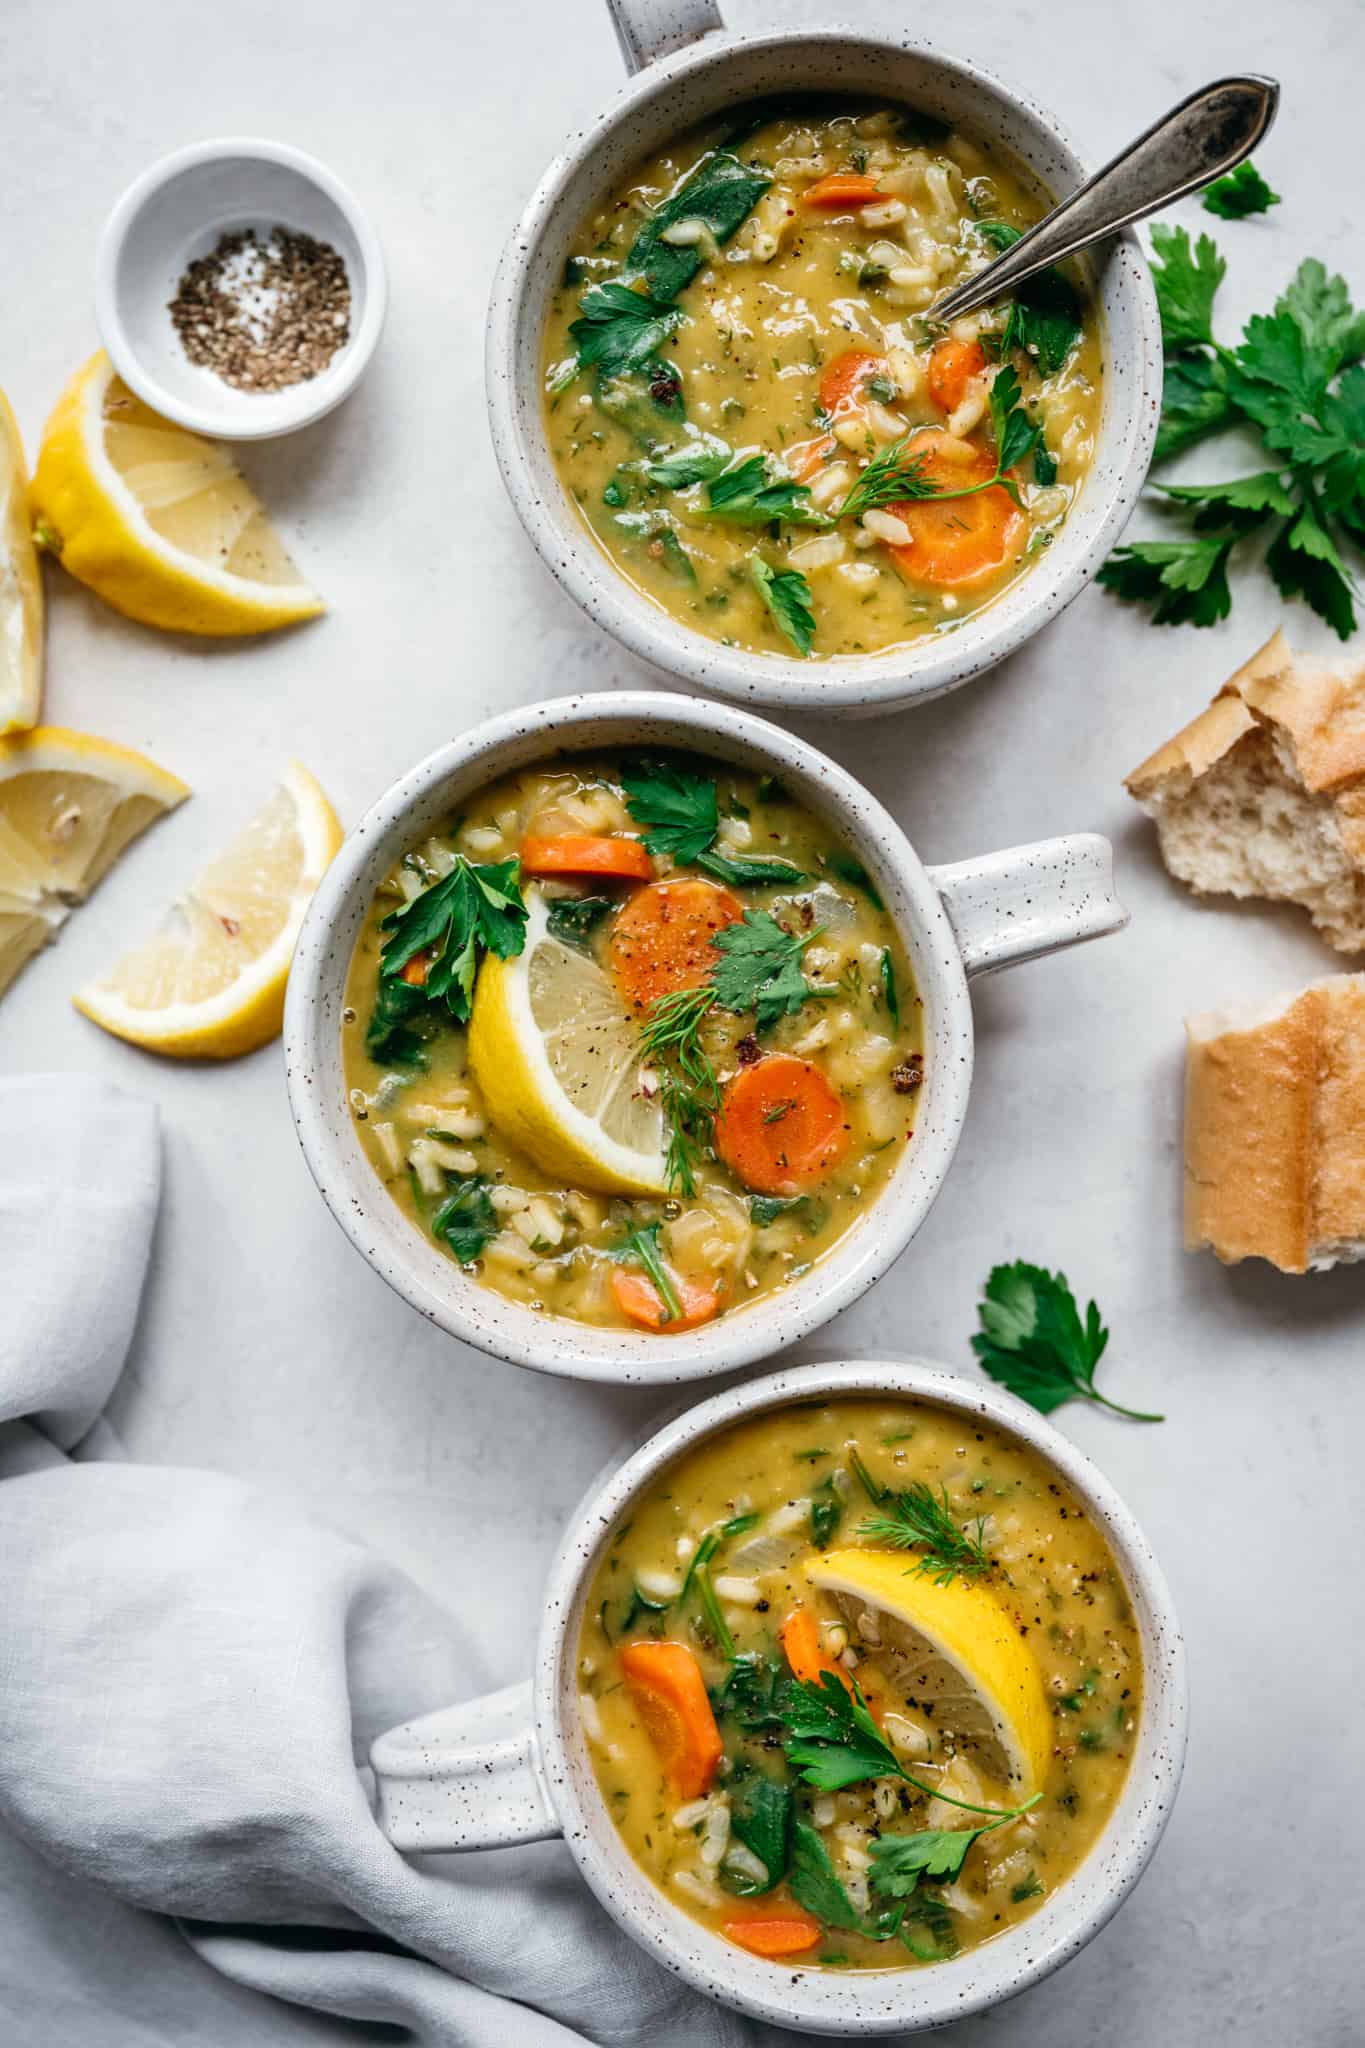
[69,805]
[558,1063]
[159,523]
[211,983]
[953,1647]
[21,587]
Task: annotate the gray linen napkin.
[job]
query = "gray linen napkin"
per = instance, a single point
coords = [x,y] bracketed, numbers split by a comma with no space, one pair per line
[189,1673]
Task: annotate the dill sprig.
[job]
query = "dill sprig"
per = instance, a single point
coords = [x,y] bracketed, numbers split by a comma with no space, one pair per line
[887,479]
[917,1518]
[689,1085]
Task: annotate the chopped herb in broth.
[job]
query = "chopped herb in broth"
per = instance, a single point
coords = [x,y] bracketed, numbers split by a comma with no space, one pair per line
[843,1713]
[757,418]
[630,1039]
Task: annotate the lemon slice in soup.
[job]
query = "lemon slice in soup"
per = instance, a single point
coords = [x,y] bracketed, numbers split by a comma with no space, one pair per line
[951,1647]
[558,1063]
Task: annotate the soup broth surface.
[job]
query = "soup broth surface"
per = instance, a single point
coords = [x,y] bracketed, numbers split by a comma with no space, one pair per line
[716,1558]
[724,434]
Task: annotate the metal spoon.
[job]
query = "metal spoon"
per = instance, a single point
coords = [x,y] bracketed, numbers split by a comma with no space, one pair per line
[1207,134]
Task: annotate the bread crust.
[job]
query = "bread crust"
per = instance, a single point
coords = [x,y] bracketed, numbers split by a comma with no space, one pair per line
[1275,1130]
[1313,717]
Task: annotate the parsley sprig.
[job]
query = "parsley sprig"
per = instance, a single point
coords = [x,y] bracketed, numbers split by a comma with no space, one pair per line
[472,910]
[1296,380]
[1033,1341]
[1242,192]
[787,594]
[680,813]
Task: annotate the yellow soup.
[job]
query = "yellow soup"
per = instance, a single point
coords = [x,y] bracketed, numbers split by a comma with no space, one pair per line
[750,403]
[860,1683]
[633,1039]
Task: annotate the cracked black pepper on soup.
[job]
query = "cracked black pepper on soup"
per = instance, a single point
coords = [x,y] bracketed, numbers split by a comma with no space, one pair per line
[633,1038]
[749,402]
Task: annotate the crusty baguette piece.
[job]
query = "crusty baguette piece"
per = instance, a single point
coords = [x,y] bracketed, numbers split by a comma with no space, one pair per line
[1264,793]
[1275,1129]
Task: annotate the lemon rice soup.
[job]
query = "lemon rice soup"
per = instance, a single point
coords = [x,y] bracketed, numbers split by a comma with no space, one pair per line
[749,401]
[633,1039]
[860,1683]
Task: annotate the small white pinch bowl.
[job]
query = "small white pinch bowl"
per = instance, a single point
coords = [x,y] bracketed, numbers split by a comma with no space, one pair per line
[175,213]
[515,1766]
[688,69]
[955,921]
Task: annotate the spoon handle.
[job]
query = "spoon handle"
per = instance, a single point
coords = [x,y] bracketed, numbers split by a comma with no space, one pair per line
[1207,134]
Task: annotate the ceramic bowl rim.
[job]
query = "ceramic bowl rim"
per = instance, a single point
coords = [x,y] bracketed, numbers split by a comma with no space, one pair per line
[865,684]
[553,1344]
[983,1976]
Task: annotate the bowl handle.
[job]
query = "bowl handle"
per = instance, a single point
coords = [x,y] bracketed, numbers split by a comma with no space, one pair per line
[464,1777]
[1029,900]
[647,29]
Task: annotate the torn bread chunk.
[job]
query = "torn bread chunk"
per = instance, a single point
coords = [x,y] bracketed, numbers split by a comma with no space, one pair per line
[1275,1129]
[1264,793]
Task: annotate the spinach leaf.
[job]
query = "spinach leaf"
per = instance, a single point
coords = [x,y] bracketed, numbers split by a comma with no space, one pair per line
[761,1814]
[466,1220]
[720,193]
[390,1034]
[572,918]
[745,871]
[619,329]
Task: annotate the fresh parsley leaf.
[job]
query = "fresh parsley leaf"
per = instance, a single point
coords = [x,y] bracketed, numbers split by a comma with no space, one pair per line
[390,1035]
[1015,433]
[1186,279]
[466,1220]
[1194,402]
[696,462]
[1242,192]
[571,919]
[889,991]
[1244,501]
[787,596]
[936,1855]
[813,1884]
[760,968]
[1185,581]
[832,1739]
[746,871]
[761,1816]
[746,496]
[1044,463]
[619,329]
[1033,1341]
[678,810]
[920,1519]
[1321,305]
[642,1246]
[1305,562]
[1044,318]
[471,910]
[719,193]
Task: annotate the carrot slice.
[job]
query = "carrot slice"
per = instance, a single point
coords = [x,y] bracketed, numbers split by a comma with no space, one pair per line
[956,541]
[584,853]
[774,1934]
[842,380]
[800,1640]
[669,1692]
[842,191]
[661,941]
[952,366]
[781,1126]
[808,458]
[416,970]
[638,1298]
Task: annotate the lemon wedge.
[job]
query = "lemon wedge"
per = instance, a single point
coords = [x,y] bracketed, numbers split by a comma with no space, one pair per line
[953,1646]
[69,805]
[557,1061]
[211,983]
[158,522]
[21,587]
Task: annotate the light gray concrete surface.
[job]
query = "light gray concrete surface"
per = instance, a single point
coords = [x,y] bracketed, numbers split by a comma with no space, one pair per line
[269,1349]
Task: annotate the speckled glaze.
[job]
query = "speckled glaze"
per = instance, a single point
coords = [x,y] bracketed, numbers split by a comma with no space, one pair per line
[952,921]
[438,1791]
[670,95]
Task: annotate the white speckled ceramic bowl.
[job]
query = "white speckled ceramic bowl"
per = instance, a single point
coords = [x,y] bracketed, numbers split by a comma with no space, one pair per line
[954,922]
[515,1767]
[706,72]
